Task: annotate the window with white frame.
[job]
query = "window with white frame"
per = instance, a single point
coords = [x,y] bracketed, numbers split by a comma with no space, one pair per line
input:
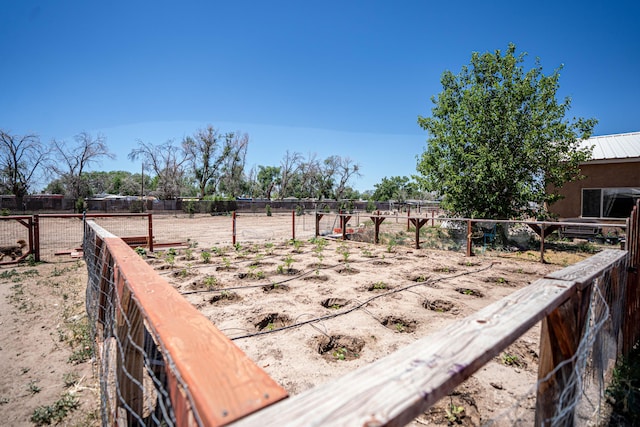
[608,202]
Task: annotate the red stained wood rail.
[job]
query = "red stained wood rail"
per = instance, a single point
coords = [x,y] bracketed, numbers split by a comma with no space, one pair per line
[223,383]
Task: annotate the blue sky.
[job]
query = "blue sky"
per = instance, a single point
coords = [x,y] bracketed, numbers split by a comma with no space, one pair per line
[332,77]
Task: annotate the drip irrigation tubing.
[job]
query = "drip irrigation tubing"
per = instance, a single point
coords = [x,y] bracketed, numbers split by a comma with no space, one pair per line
[362,304]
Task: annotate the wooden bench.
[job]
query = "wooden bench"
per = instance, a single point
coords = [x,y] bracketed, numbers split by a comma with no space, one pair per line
[580,229]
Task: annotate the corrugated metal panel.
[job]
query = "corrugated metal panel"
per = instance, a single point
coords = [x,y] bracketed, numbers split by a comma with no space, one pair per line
[619,146]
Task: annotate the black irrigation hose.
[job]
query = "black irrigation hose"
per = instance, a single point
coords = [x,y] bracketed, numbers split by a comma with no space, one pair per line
[362,304]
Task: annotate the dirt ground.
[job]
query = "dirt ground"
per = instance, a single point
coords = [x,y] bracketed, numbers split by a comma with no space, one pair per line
[44,348]
[307,313]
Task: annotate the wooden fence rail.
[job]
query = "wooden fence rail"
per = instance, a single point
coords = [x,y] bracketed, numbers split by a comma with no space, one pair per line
[210,381]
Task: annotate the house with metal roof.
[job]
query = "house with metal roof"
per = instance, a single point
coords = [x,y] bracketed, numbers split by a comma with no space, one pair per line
[612,180]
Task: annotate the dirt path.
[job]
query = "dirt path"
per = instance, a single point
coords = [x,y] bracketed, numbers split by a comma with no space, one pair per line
[47,371]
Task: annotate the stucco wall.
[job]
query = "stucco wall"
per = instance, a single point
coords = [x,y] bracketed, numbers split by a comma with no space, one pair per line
[597,176]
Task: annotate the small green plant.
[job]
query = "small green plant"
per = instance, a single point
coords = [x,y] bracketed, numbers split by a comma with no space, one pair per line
[400,327]
[380,285]
[81,341]
[210,282]
[218,251]
[54,414]
[170,258]
[8,274]
[188,254]
[141,251]
[624,390]
[288,261]
[587,247]
[340,353]
[31,260]
[255,273]
[367,253]
[58,273]
[33,387]
[280,269]
[206,257]
[391,244]
[237,247]
[268,248]
[468,292]
[268,210]
[510,359]
[501,280]
[297,245]
[190,208]
[454,412]
[226,261]
[70,379]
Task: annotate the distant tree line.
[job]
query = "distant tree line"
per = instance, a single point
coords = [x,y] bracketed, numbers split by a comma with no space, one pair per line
[209,164]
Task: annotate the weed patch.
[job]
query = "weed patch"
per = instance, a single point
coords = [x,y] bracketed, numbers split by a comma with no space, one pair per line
[55,413]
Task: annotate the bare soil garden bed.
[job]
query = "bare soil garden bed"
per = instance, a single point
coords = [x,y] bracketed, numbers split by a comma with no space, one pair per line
[310,311]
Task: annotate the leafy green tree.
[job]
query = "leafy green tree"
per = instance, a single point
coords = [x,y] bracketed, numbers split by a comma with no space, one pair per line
[398,188]
[268,178]
[498,138]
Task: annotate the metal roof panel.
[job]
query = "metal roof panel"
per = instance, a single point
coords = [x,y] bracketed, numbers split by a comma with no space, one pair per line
[618,146]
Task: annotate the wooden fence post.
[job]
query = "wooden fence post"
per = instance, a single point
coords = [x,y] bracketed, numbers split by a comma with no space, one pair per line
[560,336]
[542,243]
[377,220]
[318,218]
[36,237]
[293,225]
[630,327]
[233,228]
[469,231]
[150,238]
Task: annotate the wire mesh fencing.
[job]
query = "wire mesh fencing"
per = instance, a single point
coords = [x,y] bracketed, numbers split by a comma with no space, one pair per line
[132,375]
[154,350]
[62,234]
[16,238]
